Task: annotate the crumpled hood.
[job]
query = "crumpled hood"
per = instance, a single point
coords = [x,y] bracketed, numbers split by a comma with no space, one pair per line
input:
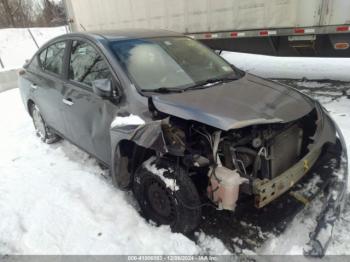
[248,101]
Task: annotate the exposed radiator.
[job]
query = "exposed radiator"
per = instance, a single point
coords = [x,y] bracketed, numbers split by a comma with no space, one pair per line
[285,150]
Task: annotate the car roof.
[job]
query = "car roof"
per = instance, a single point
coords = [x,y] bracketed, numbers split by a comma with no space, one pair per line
[118,35]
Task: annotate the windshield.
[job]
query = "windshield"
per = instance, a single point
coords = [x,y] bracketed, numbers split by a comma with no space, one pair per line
[169,62]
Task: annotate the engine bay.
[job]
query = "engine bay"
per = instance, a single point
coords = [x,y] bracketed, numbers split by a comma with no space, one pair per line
[226,163]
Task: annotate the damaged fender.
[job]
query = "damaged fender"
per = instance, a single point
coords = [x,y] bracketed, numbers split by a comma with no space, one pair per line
[333,202]
[148,136]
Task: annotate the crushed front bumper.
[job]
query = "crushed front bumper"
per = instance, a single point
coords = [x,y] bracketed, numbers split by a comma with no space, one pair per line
[334,199]
[267,191]
[329,146]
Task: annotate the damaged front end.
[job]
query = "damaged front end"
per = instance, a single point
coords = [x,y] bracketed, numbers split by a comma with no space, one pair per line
[261,160]
[334,189]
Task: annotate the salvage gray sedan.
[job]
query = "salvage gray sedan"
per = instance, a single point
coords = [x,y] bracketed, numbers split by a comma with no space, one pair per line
[176,123]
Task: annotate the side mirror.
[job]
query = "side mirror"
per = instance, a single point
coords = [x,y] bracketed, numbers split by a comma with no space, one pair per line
[102,87]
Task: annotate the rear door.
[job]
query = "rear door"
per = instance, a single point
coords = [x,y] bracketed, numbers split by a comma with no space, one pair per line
[88,115]
[48,85]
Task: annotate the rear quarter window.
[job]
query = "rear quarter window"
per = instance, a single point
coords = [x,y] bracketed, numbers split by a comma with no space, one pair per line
[54,58]
[51,58]
[42,57]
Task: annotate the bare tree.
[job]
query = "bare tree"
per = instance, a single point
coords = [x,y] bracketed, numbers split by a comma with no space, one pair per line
[30,13]
[8,13]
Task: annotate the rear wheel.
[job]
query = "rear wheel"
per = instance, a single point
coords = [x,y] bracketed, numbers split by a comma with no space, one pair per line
[41,129]
[167,195]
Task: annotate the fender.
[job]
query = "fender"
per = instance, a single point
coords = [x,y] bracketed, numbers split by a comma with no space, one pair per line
[130,141]
[334,201]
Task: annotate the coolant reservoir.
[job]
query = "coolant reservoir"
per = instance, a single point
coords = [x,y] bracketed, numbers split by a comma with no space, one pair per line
[224,188]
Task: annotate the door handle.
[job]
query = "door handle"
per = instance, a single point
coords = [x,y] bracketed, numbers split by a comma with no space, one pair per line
[34,86]
[67,101]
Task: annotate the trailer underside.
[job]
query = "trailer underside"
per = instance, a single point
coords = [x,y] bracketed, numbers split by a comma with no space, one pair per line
[322,45]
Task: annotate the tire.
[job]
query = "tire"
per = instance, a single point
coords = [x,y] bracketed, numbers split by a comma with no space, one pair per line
[177,205]
[41,129]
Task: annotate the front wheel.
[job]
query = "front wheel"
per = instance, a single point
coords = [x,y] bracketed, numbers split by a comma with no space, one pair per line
[167,195]
[41,129]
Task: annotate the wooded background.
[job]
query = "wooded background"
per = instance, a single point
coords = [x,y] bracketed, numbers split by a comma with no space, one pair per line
[31,13]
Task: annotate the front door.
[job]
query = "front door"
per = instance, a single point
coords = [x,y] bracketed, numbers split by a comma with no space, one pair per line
[89,116]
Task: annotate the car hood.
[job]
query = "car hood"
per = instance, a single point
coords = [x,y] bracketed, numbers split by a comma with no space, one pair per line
[249,100]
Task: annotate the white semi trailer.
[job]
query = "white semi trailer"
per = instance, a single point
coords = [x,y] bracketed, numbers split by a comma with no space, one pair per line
[275,27]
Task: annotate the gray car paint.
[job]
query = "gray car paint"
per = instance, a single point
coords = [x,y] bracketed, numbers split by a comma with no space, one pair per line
[246,101]
[249,100]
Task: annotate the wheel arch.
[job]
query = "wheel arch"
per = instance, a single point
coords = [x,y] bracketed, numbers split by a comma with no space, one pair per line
[127,156]
[133,144]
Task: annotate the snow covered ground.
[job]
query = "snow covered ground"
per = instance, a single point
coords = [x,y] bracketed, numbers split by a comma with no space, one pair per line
[17,44]
[291,67]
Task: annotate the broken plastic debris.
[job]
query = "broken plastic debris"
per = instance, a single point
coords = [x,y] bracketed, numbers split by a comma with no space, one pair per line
[127,120]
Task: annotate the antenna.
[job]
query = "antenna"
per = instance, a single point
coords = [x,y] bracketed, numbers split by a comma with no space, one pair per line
[82,26]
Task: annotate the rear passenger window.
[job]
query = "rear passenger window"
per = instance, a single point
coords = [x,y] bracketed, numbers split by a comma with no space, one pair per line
[86,64]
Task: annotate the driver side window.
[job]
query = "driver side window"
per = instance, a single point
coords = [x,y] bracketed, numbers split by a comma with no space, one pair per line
[86,64]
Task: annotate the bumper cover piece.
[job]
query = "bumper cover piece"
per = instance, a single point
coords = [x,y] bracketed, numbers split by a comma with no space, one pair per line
[266,191]
[334,199]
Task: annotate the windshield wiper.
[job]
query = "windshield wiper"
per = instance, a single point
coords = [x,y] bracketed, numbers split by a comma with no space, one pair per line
[210,82]
[221,79]
[162,90]
[204,84]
